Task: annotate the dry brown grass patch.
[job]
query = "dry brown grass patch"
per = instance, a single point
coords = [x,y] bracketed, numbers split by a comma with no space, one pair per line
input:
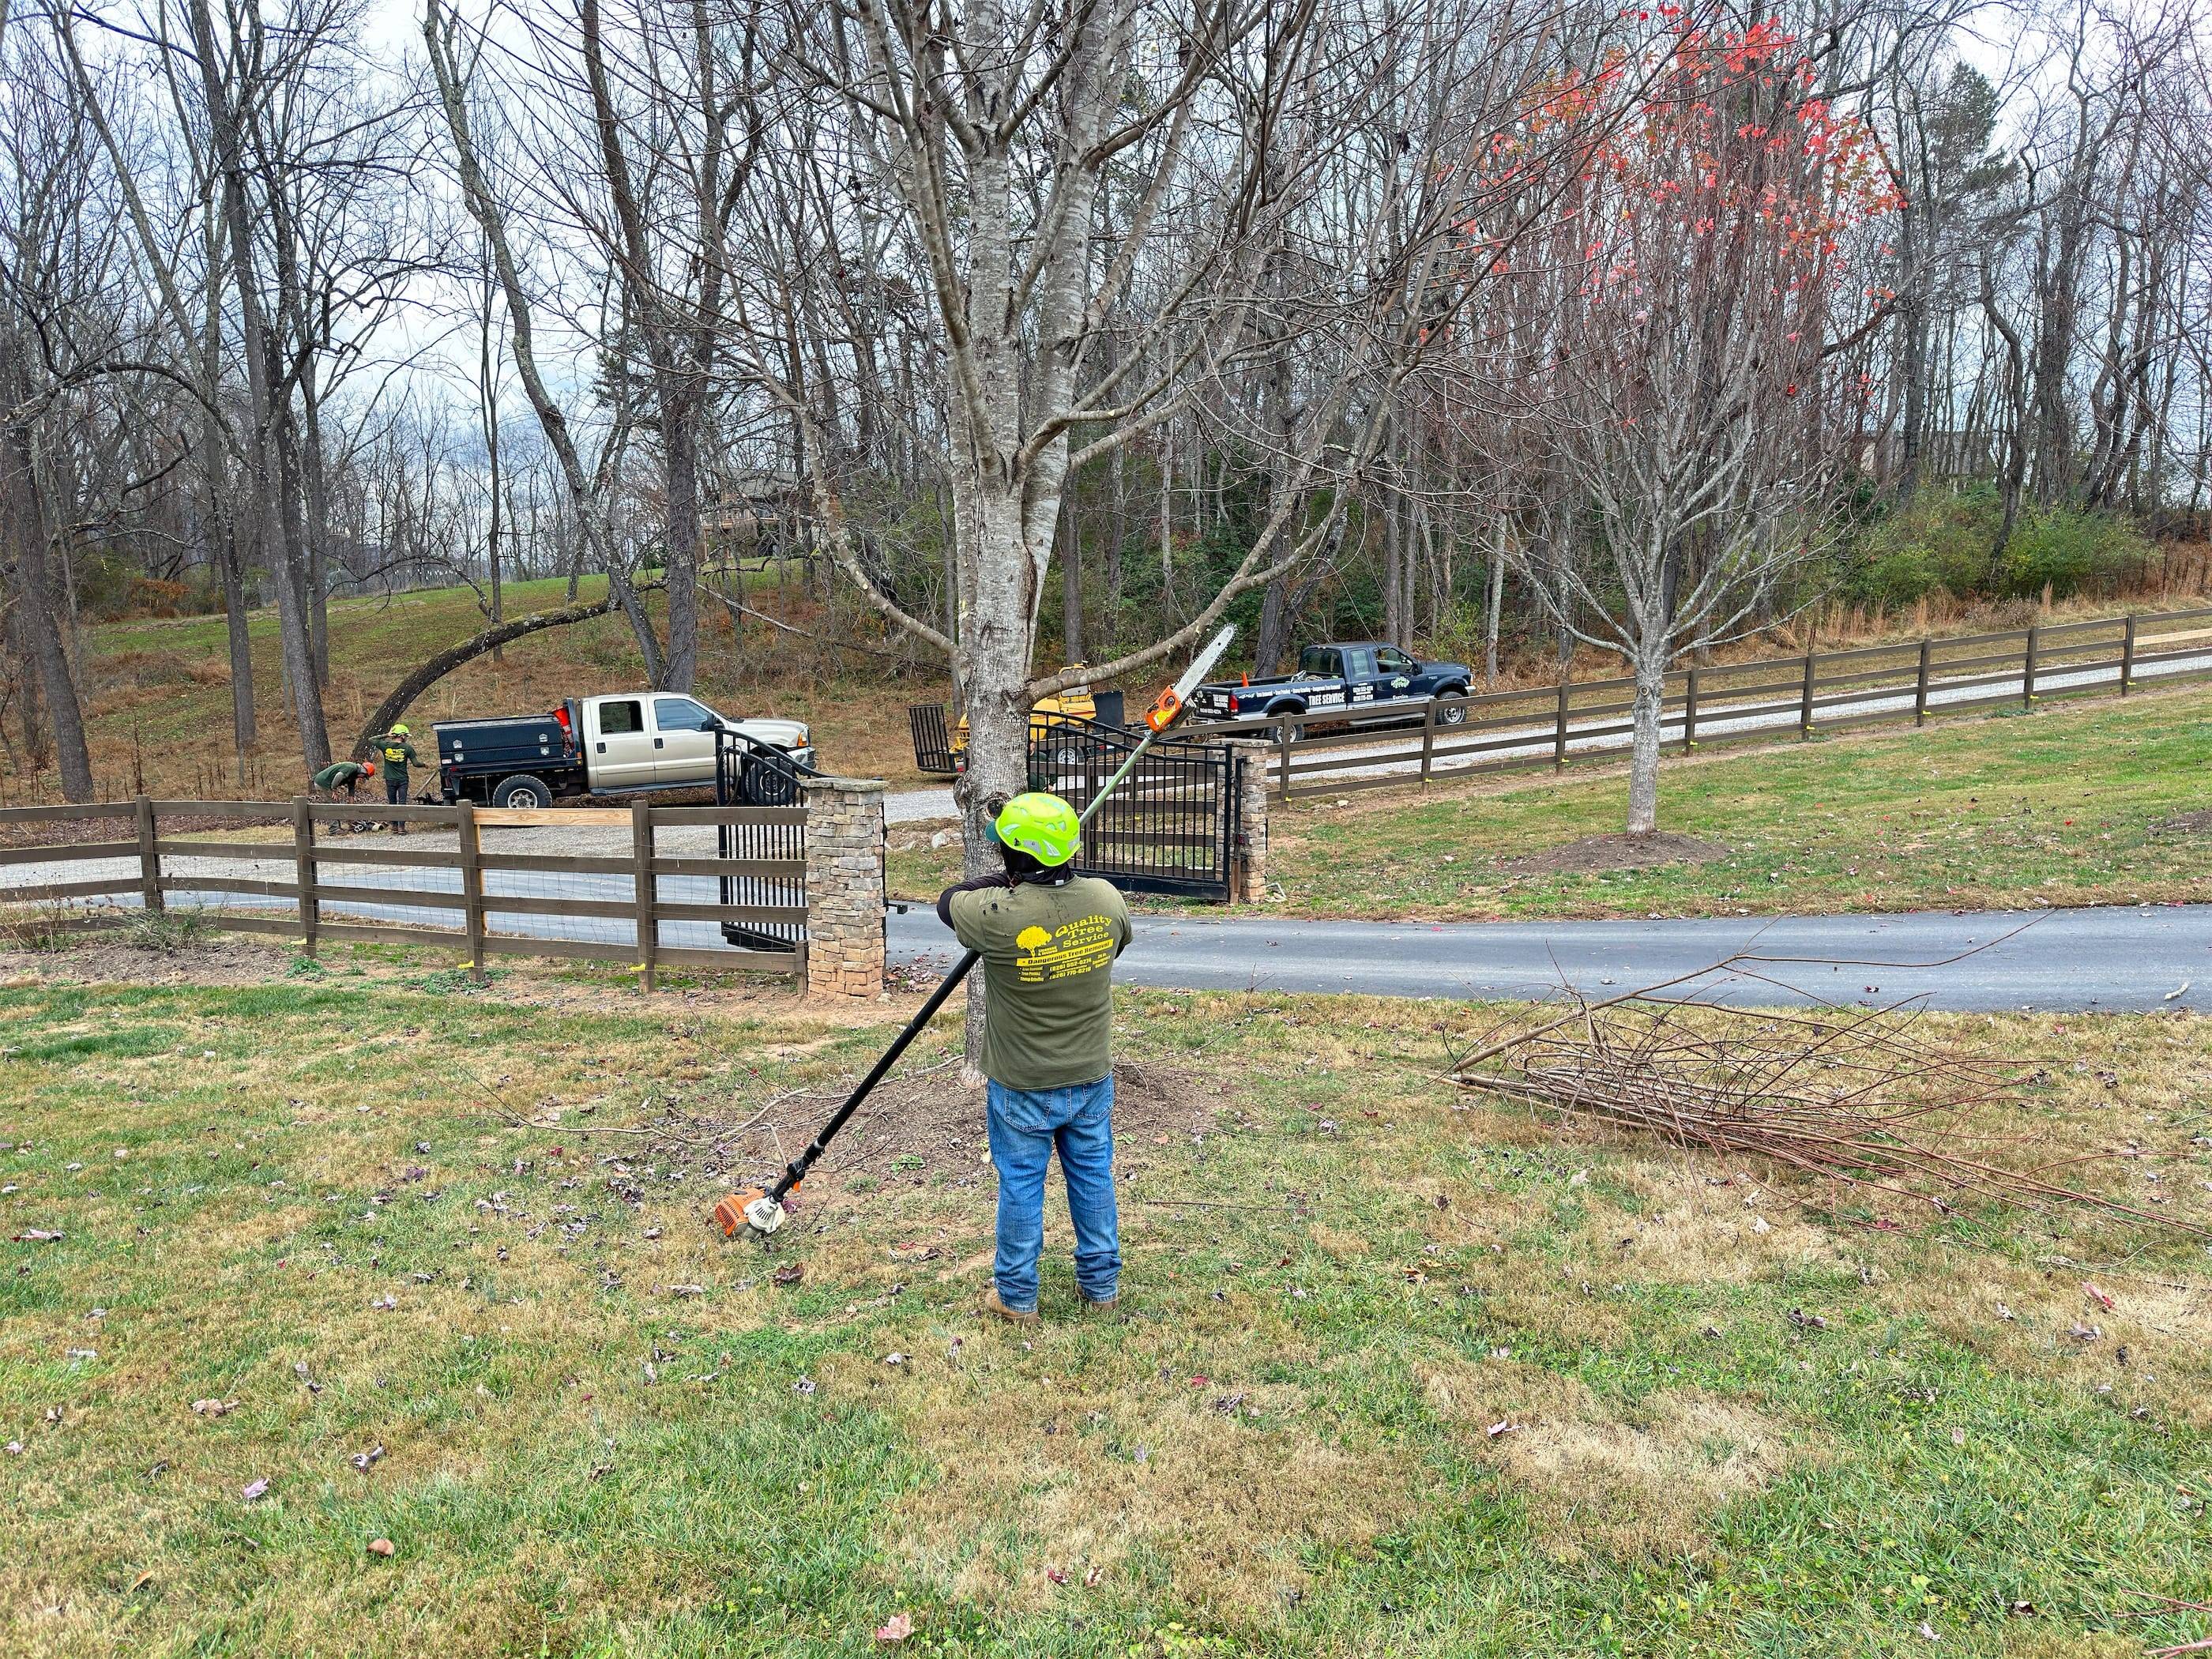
[1634,1480]
[1122,1472]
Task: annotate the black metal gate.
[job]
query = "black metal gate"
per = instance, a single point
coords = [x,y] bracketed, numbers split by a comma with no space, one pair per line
[749,774]
[932,741]
[1171,827]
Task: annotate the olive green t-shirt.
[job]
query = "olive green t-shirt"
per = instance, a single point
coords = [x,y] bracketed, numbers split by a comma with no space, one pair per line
[1048,978]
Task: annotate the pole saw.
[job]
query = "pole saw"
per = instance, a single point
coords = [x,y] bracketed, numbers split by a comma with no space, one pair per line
[763,1211]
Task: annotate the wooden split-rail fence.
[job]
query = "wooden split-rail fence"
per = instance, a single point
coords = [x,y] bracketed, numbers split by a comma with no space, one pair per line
[1765,701]
[318,883]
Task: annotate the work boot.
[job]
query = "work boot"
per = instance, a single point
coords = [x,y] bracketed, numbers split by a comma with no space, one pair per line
[1101,1308]
[1011,1315]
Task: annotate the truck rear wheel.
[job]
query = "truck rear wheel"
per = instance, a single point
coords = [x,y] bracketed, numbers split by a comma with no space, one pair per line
[522,790]
[1294,728]
[768,780]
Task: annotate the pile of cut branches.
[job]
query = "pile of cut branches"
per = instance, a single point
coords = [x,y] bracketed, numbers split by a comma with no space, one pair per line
[1860,1100]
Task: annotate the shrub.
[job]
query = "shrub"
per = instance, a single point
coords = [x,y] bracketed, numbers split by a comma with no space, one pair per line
[1940,539]
[165,932]
[2070,552]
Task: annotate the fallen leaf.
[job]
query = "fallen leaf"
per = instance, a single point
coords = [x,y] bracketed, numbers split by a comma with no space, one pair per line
[254,1491]
[2081,1333]
[897,1628]
[1501,1427]
[791,1274]
[805,1385]
[38,1236]
[687,1289]
[1090,1578]
[362,1460]
[383,1546]
[894,1358]
[2102,1298]
[214,1408]
[1058,1575]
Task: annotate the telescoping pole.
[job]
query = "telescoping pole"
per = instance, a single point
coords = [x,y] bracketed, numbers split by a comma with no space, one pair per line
[763,1211]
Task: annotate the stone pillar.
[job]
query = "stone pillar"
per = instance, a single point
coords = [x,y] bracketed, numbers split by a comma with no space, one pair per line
[1247,863]
[845,887]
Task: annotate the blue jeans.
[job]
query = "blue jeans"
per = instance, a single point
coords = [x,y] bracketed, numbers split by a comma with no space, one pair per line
[1026,1124]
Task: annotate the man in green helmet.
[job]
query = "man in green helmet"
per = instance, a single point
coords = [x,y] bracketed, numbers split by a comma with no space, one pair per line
[398,755]
[1049,938]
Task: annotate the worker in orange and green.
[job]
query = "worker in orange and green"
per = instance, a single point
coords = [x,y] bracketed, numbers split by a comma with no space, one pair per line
[398,755]
[343,777]
[1049,938]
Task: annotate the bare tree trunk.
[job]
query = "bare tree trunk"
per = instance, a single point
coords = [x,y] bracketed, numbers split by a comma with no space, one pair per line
[1497,607]
[267,484]
[40,627]
[427,674]
[1644,741]
[1071,579]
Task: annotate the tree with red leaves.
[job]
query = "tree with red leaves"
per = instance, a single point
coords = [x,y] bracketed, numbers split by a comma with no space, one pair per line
[1689,358]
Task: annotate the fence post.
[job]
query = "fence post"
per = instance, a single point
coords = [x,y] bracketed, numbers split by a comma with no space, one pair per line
[303,872]
[1283,755]
[1690,711]
[845,945]
[1559,726]
[641,885]
[472,914]
[1428,739]
[2028,671]
[1920,686]
[149,860]
[1805,702]
[2127,654]
[1248,859]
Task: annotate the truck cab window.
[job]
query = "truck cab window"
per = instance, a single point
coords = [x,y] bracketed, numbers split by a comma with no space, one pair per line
[1393,661]
[617,719]
[1318,662]
[681,715]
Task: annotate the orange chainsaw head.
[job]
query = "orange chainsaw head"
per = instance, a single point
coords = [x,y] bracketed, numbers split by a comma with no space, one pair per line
[1161,714]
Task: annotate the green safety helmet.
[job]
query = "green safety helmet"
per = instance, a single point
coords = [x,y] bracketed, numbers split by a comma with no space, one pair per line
[398,731]
[1044,826]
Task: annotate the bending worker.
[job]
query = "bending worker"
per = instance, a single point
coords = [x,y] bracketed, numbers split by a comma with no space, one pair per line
[1049,938]
[343,777]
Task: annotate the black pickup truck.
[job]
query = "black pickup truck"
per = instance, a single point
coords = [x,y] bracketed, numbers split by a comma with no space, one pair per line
[1355,681]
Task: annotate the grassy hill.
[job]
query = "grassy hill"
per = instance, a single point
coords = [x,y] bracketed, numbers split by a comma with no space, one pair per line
[160,688]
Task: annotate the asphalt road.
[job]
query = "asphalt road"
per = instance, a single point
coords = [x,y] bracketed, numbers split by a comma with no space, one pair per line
[2116,959]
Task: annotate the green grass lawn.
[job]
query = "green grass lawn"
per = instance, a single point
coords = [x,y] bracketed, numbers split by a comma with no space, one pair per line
[2059,807]
[301,1196]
